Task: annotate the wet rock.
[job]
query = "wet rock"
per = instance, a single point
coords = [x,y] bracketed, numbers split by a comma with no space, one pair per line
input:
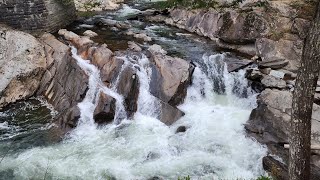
[171,77]
[156,49]
[111,69]
[128,86]
[107,22]
[122,25]
[90,33]
[133,46]
[22,64]
[114,29]
[139,36]
[169,114]
[113,23]
[56,86]
[143,36]
[273,82]
[277,169]
[79,42]
[181,129]
[101,56]
[105,109]
[69,118]
[64,84]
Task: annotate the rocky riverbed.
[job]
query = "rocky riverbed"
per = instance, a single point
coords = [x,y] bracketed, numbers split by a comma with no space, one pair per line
[156,93]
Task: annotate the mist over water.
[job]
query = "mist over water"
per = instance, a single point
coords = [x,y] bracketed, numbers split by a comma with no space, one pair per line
[213,147]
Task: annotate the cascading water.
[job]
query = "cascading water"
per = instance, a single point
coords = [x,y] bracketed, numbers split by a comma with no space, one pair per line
[213,147]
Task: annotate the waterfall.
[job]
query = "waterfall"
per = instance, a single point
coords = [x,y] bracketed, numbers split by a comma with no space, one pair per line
[89,103]
[214,145]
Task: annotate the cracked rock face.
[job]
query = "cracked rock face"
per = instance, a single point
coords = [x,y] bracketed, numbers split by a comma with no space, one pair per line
[22,63]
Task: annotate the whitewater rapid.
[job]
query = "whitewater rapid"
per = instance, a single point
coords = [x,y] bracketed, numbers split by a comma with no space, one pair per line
[214,146]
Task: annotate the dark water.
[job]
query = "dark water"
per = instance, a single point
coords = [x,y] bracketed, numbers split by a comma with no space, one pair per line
[25,125]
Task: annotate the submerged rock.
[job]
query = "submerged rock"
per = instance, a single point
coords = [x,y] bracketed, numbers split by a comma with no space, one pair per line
[22,64]
[181,129]
[169,114]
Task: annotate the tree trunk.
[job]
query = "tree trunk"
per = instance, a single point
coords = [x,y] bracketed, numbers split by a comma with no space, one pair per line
[300,137]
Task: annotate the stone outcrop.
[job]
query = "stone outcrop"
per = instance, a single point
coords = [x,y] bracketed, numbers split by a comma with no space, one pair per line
[22,63]
[269,122]
[273,31]
[37,16]
[64,84]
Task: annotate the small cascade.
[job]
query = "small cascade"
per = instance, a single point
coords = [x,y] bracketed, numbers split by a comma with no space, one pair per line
[88,105]
[232,84]
[148,105]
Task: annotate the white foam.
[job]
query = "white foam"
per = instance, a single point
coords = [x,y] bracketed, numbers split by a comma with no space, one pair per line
[214,145]
[4,125]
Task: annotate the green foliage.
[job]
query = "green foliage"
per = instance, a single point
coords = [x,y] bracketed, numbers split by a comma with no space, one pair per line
[184,178]
[193,4]
[91,4]
[263,178]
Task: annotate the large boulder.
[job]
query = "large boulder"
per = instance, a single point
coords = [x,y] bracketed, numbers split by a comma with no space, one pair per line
[239,28]
[170,78]
[22,64]
[279,54]
[269,122]
[64,83]
[128,87]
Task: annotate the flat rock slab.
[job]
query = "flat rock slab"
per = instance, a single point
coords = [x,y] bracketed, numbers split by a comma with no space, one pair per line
[234,64]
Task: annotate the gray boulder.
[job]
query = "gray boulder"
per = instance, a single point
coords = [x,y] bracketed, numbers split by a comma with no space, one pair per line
[22,64]
[171,76]
[105,109]
[273,82]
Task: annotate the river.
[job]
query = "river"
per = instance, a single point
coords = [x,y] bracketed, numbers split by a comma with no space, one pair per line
[214,146]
